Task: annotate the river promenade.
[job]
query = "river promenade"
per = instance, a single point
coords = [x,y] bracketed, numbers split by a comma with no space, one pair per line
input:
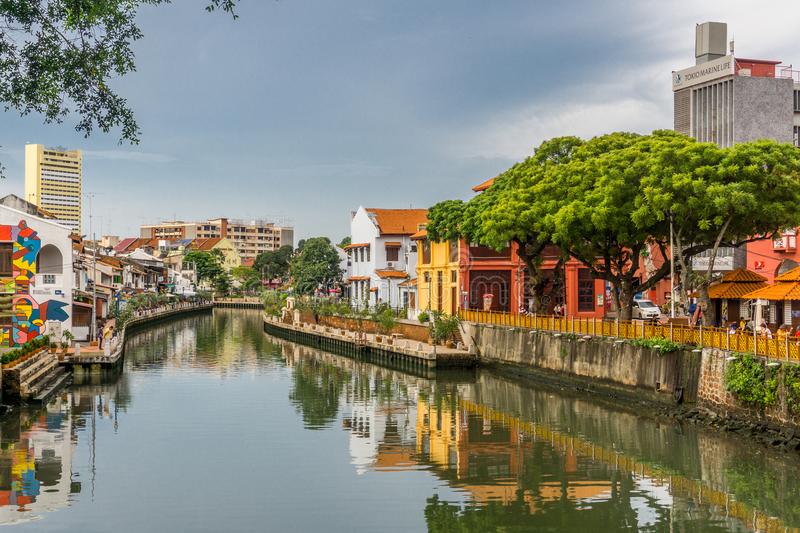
[391,349]
[110,357]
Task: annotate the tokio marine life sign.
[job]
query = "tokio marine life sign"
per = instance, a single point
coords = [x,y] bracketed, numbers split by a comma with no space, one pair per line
[704,72]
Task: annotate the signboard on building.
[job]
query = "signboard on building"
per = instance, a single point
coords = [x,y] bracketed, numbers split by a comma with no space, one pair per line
[721,264]
[703,73]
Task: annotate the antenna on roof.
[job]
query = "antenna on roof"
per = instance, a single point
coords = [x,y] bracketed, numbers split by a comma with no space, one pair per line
[732,46]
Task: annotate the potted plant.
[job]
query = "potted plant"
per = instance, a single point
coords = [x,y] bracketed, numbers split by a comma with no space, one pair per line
[66,340]
[443,327]
[53,347]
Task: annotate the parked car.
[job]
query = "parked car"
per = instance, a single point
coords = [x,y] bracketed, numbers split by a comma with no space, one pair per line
[646,310]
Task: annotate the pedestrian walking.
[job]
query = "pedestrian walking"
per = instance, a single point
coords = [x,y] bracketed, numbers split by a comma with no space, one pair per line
[99,334]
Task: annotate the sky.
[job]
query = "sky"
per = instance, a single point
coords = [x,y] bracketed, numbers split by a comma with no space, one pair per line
[300,111]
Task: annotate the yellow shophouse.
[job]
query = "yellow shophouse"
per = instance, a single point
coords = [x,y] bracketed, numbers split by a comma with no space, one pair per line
[438,278]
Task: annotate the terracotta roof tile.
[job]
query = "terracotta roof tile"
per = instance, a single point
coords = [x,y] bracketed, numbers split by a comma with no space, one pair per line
[779,292]
[358,278]
[743,275]
[421,234]
[398,221]
[792,275]
[393,244]
[409,283]
[734,290]
[124,243]
[737,283]
[393,274]
[356,245]
[483,186]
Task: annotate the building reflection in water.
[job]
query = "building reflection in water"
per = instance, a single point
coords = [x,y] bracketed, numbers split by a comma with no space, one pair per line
[36,461]
[509,471]
[37,447]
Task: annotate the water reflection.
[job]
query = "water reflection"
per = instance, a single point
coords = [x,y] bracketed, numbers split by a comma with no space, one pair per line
[481,452]
[527,459]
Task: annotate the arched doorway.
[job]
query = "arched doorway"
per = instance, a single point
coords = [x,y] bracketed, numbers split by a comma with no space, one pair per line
[50,260]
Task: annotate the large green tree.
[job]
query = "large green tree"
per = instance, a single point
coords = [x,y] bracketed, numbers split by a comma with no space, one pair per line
[721,197]
[315,266]
[274,264]
[61,56]
[207,265]
[609,203]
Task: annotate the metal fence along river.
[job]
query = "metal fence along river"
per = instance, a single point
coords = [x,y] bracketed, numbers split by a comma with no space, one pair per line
[786,348]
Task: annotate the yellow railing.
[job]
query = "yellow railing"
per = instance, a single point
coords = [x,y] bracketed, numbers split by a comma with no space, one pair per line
[779,347]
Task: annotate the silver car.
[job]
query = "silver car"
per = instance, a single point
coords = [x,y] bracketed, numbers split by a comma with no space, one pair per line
[646,310]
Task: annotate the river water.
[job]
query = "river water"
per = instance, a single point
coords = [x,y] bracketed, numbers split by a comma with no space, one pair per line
[215,426]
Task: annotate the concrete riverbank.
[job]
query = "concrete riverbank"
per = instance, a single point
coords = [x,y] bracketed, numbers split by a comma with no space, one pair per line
[400,353]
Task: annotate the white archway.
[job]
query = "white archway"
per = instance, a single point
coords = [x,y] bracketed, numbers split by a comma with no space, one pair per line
[50,260]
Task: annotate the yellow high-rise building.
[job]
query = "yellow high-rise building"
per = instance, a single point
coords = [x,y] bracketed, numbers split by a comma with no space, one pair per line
[53,181]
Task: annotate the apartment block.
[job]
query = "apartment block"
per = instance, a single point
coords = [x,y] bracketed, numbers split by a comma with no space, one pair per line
[53,181]
[250,237]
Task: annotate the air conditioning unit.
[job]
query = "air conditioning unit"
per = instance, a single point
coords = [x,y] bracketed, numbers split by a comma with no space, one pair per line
[389,265]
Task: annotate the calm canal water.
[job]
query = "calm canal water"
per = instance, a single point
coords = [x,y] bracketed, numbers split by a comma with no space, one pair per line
[215,426]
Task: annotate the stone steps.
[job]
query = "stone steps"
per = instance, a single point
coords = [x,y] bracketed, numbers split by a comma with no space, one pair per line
[46,388]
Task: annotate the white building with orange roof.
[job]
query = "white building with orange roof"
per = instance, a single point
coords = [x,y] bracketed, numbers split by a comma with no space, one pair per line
[383,257]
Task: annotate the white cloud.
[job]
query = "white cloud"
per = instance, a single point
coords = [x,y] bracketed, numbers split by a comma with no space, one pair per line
[638,101]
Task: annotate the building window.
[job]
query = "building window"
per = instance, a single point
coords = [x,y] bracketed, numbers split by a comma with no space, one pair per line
[453,250]
[453,276]
[585,290]
[6,265]
[797,136]
[392,253]
[797,101]
[367,253]
[426,252]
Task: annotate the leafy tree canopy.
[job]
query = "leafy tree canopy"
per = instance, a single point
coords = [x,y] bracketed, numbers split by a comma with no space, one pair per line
[206,265]
[60,56]
[609,201]
[316,265]
[275,263]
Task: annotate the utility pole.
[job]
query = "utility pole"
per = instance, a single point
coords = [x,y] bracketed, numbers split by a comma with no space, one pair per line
[671,271]
[93,325]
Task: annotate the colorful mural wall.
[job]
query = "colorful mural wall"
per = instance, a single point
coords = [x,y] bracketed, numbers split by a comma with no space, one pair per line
[28,316]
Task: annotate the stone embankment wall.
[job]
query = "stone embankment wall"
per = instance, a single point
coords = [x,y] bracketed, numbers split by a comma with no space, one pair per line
[598,363]
[713,395]
[407,328]
[619,368]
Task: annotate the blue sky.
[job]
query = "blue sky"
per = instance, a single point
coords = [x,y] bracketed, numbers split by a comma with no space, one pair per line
[302,110]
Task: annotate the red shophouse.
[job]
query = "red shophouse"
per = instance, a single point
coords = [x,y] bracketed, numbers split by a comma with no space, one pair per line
[502,274]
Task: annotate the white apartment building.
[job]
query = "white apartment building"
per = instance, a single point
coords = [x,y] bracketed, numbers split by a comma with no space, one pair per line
[382,254]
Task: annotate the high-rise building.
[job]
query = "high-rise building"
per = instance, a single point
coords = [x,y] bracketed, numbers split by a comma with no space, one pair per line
[727,99]
[250,237]
[53,181]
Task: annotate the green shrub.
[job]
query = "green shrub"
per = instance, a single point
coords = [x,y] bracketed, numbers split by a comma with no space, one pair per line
[658,343]
[791,381]
[274,301]
[751,382]
[444,327]
[423,317]
[384,318]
